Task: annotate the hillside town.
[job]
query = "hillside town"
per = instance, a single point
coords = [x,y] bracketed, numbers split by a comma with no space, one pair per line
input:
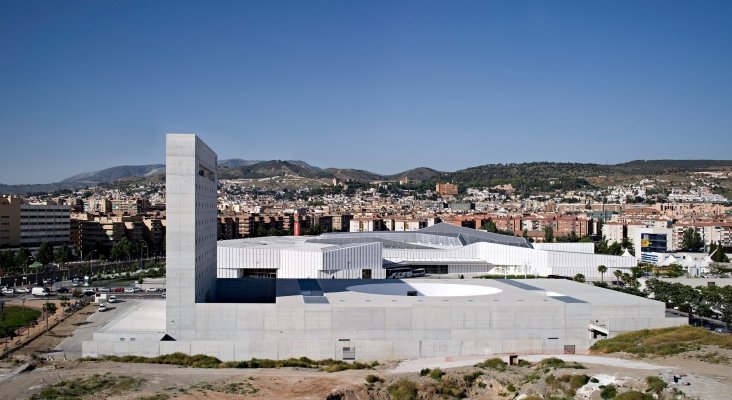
[647,218]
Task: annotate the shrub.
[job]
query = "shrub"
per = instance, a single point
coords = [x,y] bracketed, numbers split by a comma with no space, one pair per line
[594,380]
[633,395]
[655,384]
[493,363]
[373,378]
[472,377]
[577,381]
[608,392]
[436,374]
[556,363]
[424,371]
[403,390]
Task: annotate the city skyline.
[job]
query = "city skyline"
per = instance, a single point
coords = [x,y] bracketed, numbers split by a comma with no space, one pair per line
[383,87]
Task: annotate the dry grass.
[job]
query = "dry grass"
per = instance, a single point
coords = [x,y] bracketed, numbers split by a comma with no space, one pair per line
[666,341]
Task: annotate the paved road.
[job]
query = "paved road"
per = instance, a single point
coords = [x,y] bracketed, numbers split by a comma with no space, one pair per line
[70,347]
[417,365]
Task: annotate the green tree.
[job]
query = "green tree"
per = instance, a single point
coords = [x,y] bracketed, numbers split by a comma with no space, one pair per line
[548,234]
[22,258]
[8,263]
[618,275]
[579,278]
[602,269]
[717,253]
[490,226]
[63,254]
[121,249]
[45,253]
[691,241]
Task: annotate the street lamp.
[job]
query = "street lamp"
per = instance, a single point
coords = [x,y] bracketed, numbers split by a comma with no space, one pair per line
[139,252]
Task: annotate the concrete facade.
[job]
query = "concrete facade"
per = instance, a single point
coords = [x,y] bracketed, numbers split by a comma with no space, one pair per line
[356,319]
[539,316]
[191,231]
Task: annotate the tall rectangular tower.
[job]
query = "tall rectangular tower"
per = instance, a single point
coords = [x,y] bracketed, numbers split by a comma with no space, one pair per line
[190,181]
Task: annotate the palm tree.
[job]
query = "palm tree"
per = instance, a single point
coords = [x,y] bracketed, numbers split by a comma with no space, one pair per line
[618,273]
[602,269]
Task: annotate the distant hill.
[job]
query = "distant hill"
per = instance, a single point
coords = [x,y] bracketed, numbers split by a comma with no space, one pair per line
[417,174]
[267,169]
[348,174]
[529,176]
[659,166]
[236,162]
[115,173]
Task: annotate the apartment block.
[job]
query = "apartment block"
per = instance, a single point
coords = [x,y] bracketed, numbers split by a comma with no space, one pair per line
[29,225]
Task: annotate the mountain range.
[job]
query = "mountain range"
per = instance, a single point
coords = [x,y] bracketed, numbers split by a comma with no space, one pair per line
[572,174]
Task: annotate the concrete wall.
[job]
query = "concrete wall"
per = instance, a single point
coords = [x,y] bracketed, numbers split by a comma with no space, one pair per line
[191,230]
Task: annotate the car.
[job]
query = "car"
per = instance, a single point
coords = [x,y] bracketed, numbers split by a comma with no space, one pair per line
[7,291]
[721,330]
[151,290]
[118,290]
[40,291]
[47,281]
[88,292]
[63,290]
[22,290]
[129,290]
[104,290]
[137,289]
[102,306]
[112,299]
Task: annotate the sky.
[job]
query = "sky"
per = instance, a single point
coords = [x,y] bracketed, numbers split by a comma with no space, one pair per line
[378,85]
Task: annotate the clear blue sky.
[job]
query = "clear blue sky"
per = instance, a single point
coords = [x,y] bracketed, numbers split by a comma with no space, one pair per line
[383,86]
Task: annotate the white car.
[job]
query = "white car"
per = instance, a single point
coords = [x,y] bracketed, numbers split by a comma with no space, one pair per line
[152,289]
[112,299]
[22,290]
[105,290]
[102,306]
[8,291]
[129,290]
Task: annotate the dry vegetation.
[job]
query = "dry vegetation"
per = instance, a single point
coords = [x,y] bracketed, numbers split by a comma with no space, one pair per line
[662,342]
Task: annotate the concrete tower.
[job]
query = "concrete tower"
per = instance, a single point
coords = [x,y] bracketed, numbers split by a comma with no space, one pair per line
[191,231]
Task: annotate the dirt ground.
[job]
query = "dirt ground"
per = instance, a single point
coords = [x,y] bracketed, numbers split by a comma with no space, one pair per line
[708,380]
[708,371]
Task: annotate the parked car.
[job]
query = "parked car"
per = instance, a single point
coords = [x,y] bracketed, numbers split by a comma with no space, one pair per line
[88,292]
[40,291]
[129,290]
[721,330]
[137,289]
[63,290]
[152,290]
[47,281]
[104,290]
[7,291]
[22,290]
[118,290]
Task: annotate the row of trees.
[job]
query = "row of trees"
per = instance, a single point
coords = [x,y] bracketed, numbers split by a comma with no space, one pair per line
[16,262]
[705,301]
